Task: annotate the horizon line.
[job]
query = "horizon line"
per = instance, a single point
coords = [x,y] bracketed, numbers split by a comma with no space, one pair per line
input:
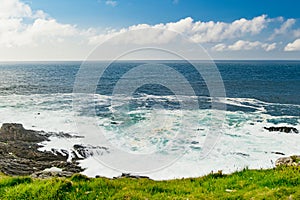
[214,60]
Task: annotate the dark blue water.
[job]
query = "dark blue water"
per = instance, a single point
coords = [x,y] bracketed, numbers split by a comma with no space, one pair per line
[270,81]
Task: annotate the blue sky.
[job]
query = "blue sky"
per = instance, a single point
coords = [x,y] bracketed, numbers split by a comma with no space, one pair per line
[227,29]
[129,12]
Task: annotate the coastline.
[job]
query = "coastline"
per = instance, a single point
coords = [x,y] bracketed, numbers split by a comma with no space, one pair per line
[21,153]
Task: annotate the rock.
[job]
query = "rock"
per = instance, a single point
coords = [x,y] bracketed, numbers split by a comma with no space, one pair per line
[241,154]
[89,150]
[128,175]
[48,174]
[282,129]
[284,161]
[278,153]
[288,161]
[61,135]
[16,132]
[19,154]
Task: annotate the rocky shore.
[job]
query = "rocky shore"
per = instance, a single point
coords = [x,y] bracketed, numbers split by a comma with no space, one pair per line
[19,154]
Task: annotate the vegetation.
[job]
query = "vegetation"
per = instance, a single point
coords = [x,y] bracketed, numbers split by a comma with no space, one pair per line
[278,183]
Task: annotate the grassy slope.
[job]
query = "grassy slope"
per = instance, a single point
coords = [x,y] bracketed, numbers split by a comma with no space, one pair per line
[280,183]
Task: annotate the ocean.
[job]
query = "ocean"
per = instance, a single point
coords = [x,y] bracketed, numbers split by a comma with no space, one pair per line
[151,123]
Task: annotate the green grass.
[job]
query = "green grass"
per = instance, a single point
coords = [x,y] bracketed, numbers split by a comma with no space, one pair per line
[279,183]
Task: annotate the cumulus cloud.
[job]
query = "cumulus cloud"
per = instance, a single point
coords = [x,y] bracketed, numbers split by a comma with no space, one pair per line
[14,9]
[268,47]
[20,26]
[293,46]
[283,28]
[15,32]
[42,30]
[220,47]
[244,45]
[198,31]
[218,31]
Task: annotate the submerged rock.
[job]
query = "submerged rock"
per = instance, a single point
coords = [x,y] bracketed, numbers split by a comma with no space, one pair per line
[19,154]
[282,129]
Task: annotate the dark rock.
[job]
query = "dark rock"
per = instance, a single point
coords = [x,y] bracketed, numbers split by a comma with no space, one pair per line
[87,151]
[61,135]
[241,154]
[278,153]
[282,129]
[19,154]
[16,132]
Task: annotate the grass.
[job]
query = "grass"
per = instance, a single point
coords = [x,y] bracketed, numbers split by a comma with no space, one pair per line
[277,183]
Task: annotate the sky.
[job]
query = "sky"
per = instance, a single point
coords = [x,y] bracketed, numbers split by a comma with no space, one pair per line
[225,29]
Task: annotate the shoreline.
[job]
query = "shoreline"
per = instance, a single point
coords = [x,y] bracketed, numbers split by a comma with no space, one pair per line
[21,154]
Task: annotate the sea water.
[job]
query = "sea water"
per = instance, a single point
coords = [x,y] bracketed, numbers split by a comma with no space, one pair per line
[259,94]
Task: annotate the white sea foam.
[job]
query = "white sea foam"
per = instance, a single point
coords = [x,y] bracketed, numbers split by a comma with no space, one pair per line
[244,142]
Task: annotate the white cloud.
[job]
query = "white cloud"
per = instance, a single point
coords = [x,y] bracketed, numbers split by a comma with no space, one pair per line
[294,46]
[269,47]
[15,32]
[36,32]
[283,28]
[218,31]
[199,32]
[244,45]
[160,35]
[14,9]
[41,31]
[219,47]
[40,28]
[111,3]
